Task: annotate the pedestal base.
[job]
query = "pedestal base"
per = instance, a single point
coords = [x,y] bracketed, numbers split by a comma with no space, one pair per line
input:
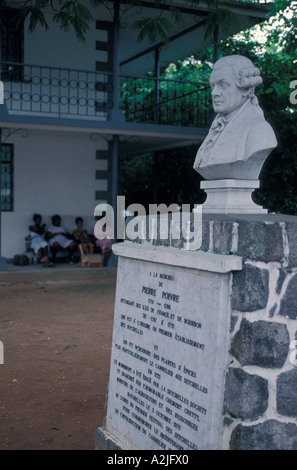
[106,441]
[197,334]
[230,196]
[171,328]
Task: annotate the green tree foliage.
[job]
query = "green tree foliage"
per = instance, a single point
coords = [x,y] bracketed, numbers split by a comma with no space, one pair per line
[77,15]
[69,14]
[136,179]
[171,171]
[174,177]
[277,59]
[181,97]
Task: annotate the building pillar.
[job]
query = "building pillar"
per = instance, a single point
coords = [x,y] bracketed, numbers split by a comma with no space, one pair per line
[3,266]
[157,76]
[117,114]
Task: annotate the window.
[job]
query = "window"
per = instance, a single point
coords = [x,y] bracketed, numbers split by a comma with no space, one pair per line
[12,44]
[6,177]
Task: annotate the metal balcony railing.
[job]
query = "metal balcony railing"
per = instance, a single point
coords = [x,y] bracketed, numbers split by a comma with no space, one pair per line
[166,102]
[55,92]
[80,94]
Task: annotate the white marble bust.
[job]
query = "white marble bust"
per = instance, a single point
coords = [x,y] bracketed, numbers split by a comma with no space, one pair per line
[240,139]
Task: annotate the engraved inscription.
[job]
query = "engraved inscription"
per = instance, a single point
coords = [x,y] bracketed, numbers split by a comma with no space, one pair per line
[159,392]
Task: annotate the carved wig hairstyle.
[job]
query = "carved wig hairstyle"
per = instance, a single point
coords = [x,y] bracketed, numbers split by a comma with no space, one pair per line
[246,75]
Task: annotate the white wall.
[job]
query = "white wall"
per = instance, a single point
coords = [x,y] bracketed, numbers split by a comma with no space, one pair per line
[57,48]
[54,172]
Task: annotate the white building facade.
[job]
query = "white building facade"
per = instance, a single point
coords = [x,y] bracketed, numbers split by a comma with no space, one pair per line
[63,122]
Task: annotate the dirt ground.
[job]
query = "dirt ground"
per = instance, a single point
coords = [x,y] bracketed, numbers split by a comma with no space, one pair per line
[56,329]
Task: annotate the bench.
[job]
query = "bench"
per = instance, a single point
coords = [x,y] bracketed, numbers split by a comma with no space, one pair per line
[79,256]
[61,255]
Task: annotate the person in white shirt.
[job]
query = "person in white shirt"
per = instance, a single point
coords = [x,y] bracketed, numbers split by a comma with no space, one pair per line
[58,238]
[38,243]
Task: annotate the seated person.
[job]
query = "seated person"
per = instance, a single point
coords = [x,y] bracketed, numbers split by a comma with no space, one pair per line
[81,236]
[59,238]
[38,243]
[105,245]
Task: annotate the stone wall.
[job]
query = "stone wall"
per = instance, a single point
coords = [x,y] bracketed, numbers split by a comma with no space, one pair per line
[260,393]
[260,406]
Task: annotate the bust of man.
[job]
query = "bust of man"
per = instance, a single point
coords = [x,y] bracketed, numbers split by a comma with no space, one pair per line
[240,139]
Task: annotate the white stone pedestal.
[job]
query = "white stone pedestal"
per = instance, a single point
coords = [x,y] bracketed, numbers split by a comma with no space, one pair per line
[230,196]
[169,349]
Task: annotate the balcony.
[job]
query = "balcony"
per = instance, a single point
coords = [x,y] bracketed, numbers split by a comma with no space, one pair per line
[52,92]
